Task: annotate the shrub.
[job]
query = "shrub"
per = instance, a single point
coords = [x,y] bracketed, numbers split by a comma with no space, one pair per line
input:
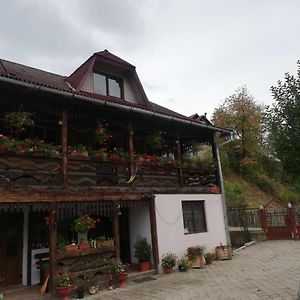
[168,260]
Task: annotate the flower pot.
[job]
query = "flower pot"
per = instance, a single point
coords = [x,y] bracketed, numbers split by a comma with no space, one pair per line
[64,291]
[114,158]
[145,266]
[197,262]
[84,246]
[182,269]
[223,252]
[168,270]
[122,278]
[209,261]
[84,154]
[102,156]
[71,248]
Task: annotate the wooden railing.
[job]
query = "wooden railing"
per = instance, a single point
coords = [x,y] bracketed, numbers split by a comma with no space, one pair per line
[47,171]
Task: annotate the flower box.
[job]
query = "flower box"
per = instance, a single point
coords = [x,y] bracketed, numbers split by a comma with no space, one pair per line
[223,252]
[105,244]
[84,154]
[71,248]
[197,262]
[84,246]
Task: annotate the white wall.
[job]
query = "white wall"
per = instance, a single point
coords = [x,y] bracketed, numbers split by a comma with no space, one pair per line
[139,224]
[169,219]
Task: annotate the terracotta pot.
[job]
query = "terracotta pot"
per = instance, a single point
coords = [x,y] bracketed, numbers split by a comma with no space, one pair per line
[122,278]
[84,246]
[168,270]
[114,158]
[145,266]
[101,156]
[71,248]
[64,291]
[84,154]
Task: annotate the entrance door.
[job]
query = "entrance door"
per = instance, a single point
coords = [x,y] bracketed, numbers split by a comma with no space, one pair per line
[11,238]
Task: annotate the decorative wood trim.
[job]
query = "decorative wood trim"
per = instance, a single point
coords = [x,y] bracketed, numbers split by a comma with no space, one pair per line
[64,143]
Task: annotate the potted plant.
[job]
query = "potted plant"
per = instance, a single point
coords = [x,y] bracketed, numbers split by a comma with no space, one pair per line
[142,251]
[100,154]
[18,121]
[195,256]
[102,136]
[92,285]
[182,264]
[63,283]
[209,257]
[79,151]
[119,269]
[168,261]
[82,225]
[72,247]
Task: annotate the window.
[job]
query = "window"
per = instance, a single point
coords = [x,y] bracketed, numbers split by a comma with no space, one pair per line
[108,85]
[193,216]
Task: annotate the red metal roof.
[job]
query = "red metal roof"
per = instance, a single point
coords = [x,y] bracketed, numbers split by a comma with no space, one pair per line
[54,81]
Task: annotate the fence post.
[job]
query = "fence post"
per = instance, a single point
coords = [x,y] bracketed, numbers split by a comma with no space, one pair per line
[263,219]
[293,221]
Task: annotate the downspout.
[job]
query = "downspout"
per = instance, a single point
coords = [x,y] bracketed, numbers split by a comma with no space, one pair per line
[224,206]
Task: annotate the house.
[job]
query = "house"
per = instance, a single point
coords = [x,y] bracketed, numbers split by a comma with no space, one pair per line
[91,143]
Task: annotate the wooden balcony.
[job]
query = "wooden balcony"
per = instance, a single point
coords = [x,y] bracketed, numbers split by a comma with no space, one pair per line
[32,170]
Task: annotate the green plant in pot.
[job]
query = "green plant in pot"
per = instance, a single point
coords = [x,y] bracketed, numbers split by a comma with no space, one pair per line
[63,283]
[182,264]
[168,261]
[117,268]
[142,251]
[209,257]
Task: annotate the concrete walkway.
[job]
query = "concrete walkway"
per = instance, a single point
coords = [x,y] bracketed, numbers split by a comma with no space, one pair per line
[268,270]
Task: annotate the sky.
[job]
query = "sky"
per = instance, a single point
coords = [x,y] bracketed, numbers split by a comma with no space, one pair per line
[189,54]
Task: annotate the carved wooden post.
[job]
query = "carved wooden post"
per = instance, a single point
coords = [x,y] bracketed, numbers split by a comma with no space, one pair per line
[178,154]
[52,245]
[116,211]
[64,143]
[293,222]
[263,219]
[153,232]
[131,150]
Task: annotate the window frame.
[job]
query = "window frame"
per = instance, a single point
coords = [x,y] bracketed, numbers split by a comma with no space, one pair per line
[107,77]
[202,210]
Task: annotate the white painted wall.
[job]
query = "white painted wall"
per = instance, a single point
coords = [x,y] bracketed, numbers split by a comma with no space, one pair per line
[169,219]
[139,224]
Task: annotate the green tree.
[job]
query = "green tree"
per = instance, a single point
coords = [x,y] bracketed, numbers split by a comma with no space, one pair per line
[241,113]
[283,120]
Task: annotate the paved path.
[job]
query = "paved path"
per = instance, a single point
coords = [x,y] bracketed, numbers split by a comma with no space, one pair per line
[268,270]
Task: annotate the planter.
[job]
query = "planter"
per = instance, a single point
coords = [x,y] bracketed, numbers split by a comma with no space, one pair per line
[223,252]
[71,248]
[182,269]
[64,291]
[122,278]
[168,270]
[197,262]
[145,266]
[105,244]
[102,156]
[84,154]
[84,246]
[114,158]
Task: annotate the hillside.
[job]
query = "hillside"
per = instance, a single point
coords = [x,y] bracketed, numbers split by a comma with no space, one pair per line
[252,194]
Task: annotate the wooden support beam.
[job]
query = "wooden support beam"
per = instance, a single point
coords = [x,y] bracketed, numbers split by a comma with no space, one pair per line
[64,143]
[153,233]
[179,158]
[214,153]
[131,149]
[116,228]
[52,245]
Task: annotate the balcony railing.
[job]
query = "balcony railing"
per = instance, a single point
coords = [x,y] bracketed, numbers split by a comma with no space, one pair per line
[47,171]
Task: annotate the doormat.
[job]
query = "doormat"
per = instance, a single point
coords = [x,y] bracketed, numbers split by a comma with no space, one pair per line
[144,279]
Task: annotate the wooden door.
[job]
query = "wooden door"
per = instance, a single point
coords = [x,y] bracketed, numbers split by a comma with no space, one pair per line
[11,239]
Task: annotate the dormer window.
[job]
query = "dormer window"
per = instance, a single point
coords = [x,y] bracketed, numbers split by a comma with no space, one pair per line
[108,85]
